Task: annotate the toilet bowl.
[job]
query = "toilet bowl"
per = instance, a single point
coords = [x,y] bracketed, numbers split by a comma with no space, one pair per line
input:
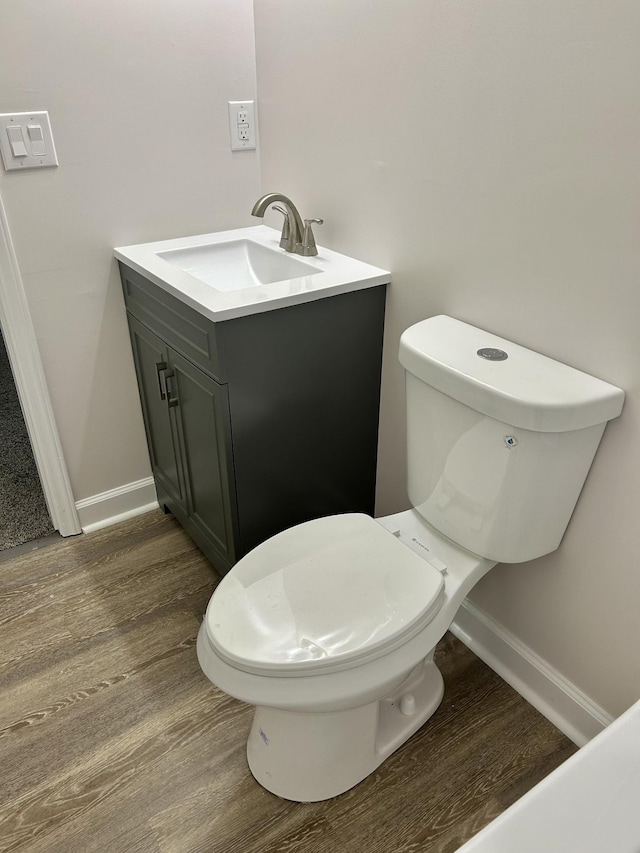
[329,628]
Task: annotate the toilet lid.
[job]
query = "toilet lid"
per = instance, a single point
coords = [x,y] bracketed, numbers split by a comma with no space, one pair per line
[325,595]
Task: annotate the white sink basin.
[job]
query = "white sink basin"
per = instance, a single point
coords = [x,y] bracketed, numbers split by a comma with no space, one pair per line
[231,274]
[237,264]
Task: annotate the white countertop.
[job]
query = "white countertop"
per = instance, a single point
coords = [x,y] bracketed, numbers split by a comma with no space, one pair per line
[336,273]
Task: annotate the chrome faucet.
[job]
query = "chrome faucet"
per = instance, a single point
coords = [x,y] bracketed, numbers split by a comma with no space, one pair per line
[296,237]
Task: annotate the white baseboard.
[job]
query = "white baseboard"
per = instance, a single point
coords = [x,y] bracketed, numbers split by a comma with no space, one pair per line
[545,688]
[117,505]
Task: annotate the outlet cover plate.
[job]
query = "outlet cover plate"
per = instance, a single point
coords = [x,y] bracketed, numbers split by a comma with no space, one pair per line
[242,125]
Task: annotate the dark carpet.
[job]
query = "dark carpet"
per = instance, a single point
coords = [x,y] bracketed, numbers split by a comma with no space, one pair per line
[23,511]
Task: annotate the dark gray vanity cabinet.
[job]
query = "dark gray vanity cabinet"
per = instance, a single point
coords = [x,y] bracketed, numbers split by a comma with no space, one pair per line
[257,423]
[186,414]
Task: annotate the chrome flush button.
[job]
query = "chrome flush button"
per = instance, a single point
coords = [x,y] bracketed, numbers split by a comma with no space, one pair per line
[492,354]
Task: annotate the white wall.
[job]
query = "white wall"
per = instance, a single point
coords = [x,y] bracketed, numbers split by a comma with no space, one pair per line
[137,95]
[487,153]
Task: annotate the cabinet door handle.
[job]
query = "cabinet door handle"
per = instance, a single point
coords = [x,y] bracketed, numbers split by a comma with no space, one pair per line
[171,401]
[161,366]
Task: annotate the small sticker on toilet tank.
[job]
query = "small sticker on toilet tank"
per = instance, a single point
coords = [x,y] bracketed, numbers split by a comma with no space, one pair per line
[263,736]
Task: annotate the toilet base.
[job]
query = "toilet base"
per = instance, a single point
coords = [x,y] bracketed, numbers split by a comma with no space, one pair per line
[315,756]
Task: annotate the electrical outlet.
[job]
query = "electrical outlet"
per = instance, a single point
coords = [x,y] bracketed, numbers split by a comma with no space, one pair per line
[242,126]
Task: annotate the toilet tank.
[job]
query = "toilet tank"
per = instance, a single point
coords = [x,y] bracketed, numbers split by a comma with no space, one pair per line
[499,438]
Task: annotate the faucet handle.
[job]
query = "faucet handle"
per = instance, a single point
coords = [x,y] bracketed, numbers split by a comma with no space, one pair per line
[308,246]
[284,237]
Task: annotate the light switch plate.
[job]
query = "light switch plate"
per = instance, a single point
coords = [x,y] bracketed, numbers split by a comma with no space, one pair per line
[37,136]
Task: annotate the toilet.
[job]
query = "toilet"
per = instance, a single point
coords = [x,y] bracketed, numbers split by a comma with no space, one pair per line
[329,628]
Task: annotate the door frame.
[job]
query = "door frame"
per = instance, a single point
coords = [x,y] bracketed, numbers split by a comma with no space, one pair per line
[26,364]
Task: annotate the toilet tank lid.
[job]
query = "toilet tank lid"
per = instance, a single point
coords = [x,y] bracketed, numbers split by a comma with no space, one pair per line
[526,389]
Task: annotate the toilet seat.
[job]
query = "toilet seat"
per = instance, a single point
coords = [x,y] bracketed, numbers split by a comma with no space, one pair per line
[326,595]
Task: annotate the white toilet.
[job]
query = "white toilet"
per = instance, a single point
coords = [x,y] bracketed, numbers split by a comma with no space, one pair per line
[329,628]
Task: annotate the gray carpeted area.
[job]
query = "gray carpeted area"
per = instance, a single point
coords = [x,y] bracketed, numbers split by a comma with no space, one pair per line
[23,511]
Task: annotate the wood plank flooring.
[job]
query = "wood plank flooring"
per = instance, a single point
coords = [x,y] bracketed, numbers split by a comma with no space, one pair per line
[112,740]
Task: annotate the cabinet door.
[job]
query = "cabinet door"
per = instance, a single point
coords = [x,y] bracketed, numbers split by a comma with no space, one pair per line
[151,358]
[201,409]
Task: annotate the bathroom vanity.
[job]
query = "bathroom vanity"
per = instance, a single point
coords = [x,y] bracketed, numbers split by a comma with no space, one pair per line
[260,401]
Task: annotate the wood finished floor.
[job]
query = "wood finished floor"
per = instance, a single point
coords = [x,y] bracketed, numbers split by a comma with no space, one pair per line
[112,740]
